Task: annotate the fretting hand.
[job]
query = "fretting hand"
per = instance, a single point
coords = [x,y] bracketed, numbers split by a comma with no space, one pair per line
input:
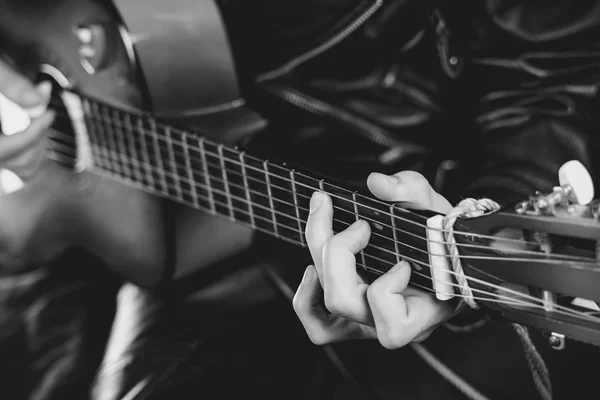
[387,309]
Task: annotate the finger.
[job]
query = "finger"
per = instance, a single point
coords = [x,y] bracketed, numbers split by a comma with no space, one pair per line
[410,188]
[319,228]
[27,165]
[403,314]
[307,299]
[13,145]
[307,304]
[17,88]
[344,293]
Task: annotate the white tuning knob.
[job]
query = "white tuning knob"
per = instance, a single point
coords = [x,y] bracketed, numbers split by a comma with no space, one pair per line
[574,175]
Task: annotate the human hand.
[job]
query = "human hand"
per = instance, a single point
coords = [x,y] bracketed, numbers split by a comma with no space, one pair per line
[23,151]
[387,309]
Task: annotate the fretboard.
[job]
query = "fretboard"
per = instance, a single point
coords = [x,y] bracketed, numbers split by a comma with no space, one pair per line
[268,196]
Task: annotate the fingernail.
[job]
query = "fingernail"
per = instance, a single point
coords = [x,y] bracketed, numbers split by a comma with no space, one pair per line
[315,201]
[356,225]
[399,266]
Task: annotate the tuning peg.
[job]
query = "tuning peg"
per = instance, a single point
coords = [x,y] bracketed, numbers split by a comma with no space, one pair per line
[575,179]
[576,185]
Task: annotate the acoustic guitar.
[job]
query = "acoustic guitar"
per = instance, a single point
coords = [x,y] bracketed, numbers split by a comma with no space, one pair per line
[138,123]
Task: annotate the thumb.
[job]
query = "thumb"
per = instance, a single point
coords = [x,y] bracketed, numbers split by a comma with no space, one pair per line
[410,188]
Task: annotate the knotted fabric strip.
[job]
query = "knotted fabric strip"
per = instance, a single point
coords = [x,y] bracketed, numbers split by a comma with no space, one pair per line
[467,208]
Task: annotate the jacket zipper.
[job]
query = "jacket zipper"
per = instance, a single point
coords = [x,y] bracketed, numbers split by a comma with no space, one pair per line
[368,130]
[323,47]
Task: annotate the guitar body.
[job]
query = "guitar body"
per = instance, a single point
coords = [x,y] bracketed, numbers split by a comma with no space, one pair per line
[151,56]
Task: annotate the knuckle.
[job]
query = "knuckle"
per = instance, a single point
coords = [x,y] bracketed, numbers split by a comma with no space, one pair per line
[317,337]
[335,304]
[330,247]
[373,293]
[377,295]
[16,90]
[297,304]
[392,339]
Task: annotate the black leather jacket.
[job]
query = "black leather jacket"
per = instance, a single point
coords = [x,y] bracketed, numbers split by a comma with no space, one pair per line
[506,87]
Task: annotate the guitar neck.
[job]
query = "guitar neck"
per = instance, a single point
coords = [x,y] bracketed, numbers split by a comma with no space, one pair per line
[268,196]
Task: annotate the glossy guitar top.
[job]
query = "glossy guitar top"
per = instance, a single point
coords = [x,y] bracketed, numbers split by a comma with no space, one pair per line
[87,46]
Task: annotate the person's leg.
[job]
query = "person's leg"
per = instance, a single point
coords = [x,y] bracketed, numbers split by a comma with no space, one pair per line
[54,324]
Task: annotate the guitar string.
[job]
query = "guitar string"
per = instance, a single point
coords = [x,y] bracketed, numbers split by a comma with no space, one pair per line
[151,168]
[263,171]
[295,221]
[497,239]
[379,223]
[133,128]
[485,283]
[500,299]
[531,298]
[344,199]
[510,301]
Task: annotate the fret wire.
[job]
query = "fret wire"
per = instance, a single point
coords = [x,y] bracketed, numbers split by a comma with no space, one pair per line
[209,187]
[268,173]
[120,142]
[159,161]
[267,208]
[132,147]
[482,291]
[283,214]
[296,206]
[300,229]
[395,234]
[268,181]
[111,135]
[172,163]
[362,252]
[428,277]
[189,204]
[289,238]
[382,203]
[190,172]
[400,218]
[277,166]
[373,233]
[225,181]
[338,197]
[91,131]
[111,158]
[96,149]
[146,156]
[247,188]
[271,184]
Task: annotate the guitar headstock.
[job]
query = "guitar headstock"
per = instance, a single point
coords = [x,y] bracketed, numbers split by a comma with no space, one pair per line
[538,261]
